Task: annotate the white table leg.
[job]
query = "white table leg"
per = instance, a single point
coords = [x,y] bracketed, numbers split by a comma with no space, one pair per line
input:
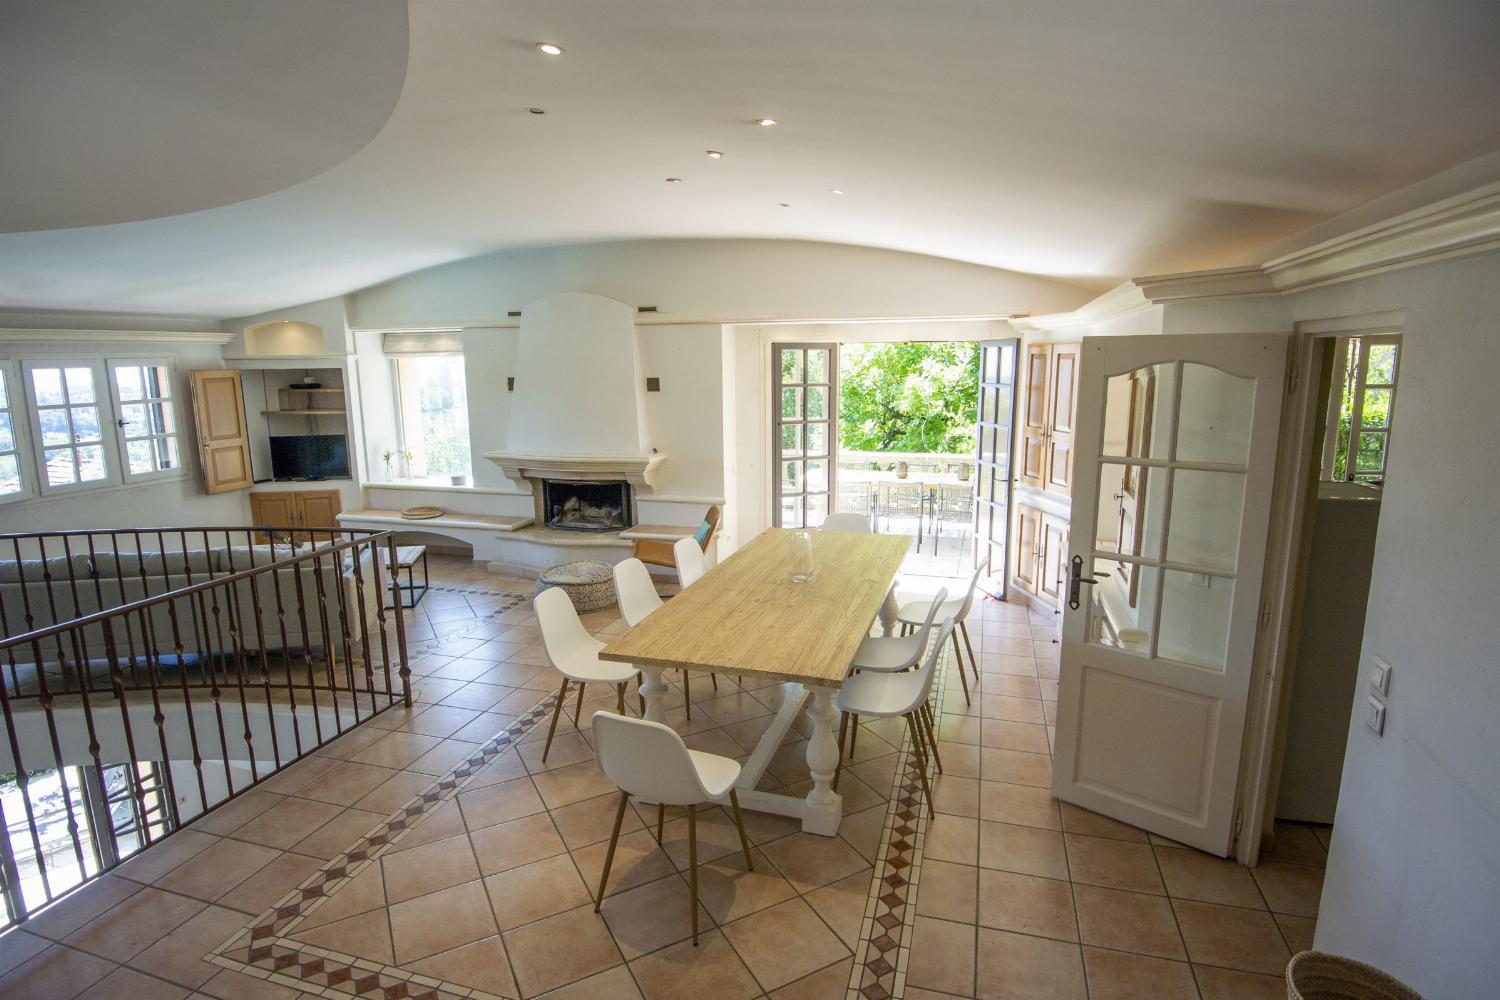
[823,807]
[652,689]
[888,611]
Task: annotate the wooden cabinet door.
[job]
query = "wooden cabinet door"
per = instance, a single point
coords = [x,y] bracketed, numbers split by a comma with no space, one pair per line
[272,510]
[1032,460]
[1062,413]
[319,509]
[223,439]
[1054,558]
[1028,541]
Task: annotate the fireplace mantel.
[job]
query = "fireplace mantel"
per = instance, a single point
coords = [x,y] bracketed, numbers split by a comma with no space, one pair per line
[637,470]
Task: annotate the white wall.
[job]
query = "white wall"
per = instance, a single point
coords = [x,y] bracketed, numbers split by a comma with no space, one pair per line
[1413,881]
[489,359]
[713,280]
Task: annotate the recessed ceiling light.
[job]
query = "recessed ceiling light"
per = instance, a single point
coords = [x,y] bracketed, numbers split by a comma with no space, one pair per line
[766,122]
[835,191]
[674,180]
[550,48]
[714,154]
[537,111]
[784,204]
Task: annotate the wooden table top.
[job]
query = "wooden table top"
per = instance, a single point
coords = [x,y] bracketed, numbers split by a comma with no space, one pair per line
[745,616]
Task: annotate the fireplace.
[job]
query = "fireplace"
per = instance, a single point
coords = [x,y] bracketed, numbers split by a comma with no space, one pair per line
[586,505]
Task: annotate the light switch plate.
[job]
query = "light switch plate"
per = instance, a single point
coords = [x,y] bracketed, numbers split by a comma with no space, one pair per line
[1375,715]
[1380,676]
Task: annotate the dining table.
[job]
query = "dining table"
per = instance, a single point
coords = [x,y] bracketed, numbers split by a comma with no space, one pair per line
[748,618]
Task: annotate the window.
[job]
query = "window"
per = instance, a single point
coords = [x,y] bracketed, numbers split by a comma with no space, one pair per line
[148,428]
[434,414]
[13,485]
[1360,406]
[66,408]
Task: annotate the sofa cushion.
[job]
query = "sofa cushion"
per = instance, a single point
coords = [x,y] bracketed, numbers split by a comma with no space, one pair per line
[35,570]
[132,564]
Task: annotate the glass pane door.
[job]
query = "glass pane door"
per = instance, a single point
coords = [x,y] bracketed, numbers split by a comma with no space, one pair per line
[997,407]
[803,402]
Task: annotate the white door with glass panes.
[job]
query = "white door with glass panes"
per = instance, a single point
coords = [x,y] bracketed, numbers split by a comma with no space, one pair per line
[803,400]
[995,428]
[1162,595]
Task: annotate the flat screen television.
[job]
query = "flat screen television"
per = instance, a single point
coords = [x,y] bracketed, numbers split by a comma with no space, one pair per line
[310,456]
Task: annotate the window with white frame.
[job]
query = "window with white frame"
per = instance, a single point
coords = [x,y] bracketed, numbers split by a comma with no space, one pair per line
[434,409]
[13,479]
[66,417]
[146,417]
[1361,402]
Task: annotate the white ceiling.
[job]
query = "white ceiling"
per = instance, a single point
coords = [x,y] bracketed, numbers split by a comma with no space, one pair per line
[1086,139]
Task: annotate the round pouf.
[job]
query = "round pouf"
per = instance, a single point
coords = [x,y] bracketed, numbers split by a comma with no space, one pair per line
[590,585]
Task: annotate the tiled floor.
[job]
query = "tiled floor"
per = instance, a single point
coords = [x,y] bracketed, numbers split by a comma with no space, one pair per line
[490,890]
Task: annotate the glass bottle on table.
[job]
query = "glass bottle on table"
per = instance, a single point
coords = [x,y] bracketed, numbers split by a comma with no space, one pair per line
[800,555]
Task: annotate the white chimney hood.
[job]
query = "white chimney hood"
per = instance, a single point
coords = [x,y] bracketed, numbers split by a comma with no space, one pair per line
[578,410]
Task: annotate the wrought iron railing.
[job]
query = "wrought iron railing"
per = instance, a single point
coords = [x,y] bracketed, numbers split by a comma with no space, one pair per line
[150,676]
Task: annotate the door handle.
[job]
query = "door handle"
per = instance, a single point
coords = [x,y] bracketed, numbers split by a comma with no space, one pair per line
[1076,579]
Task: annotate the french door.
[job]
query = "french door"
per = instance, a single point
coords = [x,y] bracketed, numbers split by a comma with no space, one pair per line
[1174,462]
[804,400]
[992,492]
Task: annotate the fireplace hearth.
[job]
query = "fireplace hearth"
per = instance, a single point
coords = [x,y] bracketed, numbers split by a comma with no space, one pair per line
[586,505]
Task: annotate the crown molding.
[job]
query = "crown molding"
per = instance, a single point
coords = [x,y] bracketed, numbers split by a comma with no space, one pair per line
[12,335]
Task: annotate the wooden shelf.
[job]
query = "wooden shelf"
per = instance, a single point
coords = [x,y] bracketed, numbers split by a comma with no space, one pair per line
[304,413]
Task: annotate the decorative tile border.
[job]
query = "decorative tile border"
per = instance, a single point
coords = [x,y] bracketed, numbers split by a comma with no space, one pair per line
[884,947]
[262,950]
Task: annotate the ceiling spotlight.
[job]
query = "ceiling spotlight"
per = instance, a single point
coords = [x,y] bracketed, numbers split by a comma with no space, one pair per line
[549,48]
[714,154]
[537,111]
[674,180]
[835,191]
[784,204]
[765,122]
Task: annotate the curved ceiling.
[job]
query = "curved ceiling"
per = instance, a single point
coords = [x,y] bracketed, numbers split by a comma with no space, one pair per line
[118,111]
[1085,139]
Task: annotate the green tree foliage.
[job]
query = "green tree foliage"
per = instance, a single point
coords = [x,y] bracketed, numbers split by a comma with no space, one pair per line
[908,397]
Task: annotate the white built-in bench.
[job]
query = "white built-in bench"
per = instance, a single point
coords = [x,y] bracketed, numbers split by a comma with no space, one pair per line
[478,531]
[658,532]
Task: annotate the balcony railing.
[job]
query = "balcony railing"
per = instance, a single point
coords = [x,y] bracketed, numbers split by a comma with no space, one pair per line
[150,676]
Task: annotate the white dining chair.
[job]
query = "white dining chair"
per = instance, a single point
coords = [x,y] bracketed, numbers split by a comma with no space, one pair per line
[911,614]
[854,524]
[888,696]
[574,654]
[893,654]
[637,597]
[691,562]
[649,761]
[858,524]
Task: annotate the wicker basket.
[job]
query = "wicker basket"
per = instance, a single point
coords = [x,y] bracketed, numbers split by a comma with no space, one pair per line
[1317,975]
[590,585]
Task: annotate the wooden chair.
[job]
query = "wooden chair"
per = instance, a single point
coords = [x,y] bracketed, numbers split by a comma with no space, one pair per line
[659,553]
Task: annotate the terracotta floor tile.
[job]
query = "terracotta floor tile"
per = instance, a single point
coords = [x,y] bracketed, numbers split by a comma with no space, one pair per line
[1024,849]
[947,891]
[287,822]
[685,972]
[1226,984]
[862,831]
[729,891]
[1114,864]
[1233,938]
[19,945]
[258,892]
[1020,967]
[1297,931]
[129,928]
[440,921]
[783,943]
[537,890]
[428,868]
[396,750]
[560,949]
[59,973]
[165,855]
[1294,889]
[942,956]
[333,837]
[1296,844]
[238,811]
[444,757]
[830,983]
[73,911]
[442,823]
[129,983]
[842,905]
[231,985]
[219,869]
[1190,874]
[615,984]
[480,965]
[1016,767]
[1114,975]
[1127,921]
[362,893]
[638,860]
[717,837]
[364,935]
[1092,824]
[179,957]
[652,916]
[1019,805]
[345,784]
[808,860]
[519,842]
[490,805]
[1025,903]
[952,794]
[953,838]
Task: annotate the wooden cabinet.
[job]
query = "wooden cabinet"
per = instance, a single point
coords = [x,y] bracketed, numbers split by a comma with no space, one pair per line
[299,509]
[223,436]
[1049,410]
[1028,546]
[1053,559]
[1031,460]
